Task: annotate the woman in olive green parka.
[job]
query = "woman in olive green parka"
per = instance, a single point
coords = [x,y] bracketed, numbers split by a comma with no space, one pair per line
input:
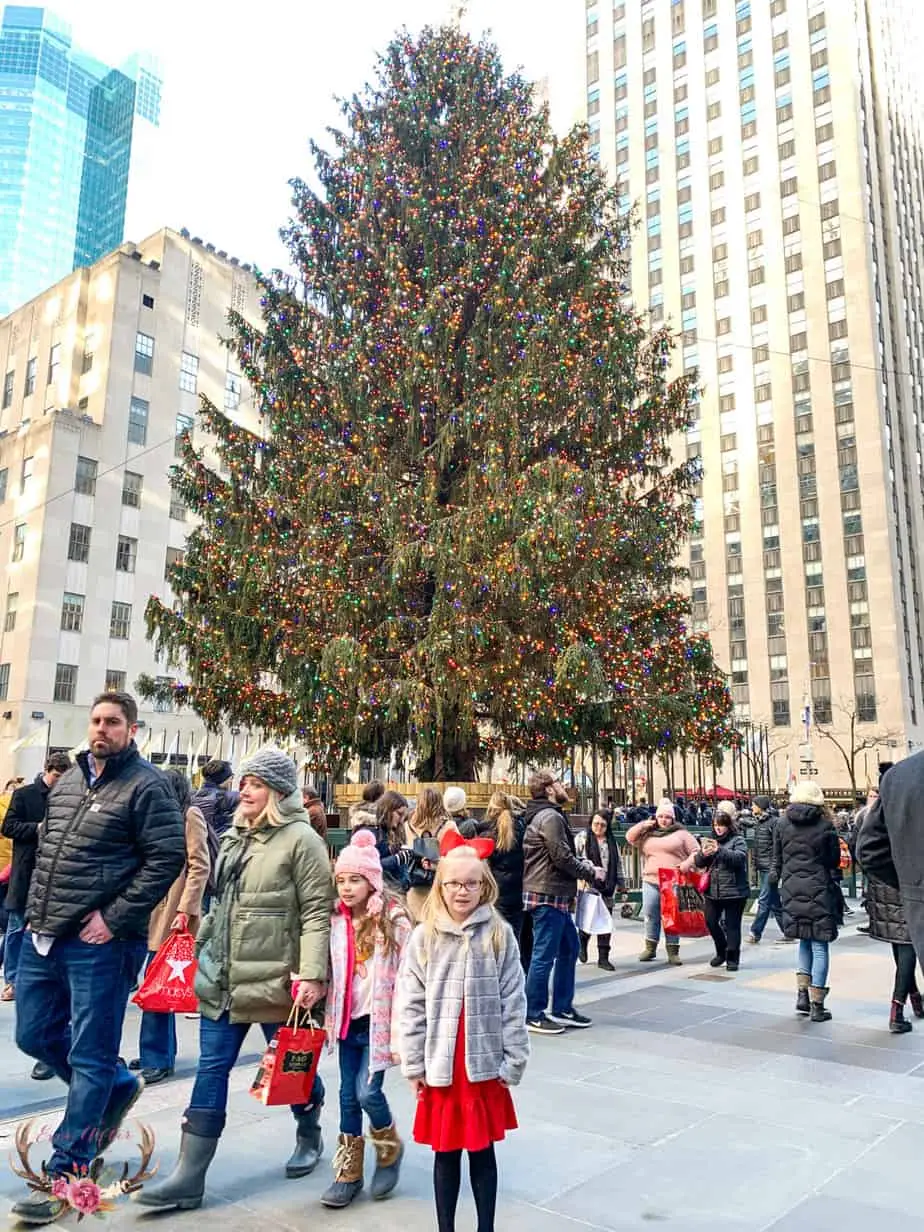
[263,944]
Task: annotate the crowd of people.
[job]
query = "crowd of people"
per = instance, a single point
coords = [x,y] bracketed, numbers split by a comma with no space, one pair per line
[437,942]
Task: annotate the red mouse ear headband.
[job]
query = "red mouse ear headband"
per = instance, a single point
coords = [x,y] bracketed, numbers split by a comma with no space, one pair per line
[452,840]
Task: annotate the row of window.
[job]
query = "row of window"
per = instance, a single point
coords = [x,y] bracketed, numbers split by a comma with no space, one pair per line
[65,688]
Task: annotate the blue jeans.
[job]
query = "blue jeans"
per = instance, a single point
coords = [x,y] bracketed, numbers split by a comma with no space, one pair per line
[651,910]
[360,1092]
[220,1043]
[768,900]
[813,961]
[15,931]
[70,1007]
[555,945]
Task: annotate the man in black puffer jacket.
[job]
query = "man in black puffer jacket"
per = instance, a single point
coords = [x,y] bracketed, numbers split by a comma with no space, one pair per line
[766,819]
[110,847]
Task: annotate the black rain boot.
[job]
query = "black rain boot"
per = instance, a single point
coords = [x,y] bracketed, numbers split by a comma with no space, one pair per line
[582,953]
[817,998]
[802,997]
[184,1188]
[898,1023]
[348,1172]
[308,1144]
[734,960]
[603,954]
[917,1005]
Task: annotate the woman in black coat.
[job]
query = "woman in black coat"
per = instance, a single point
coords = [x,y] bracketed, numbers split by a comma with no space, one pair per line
[806,858]
[598,845]
[725,855]
[887,921]
[502,823]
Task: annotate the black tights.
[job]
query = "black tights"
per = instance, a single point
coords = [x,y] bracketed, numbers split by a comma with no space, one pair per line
[905,962]
[447,1181]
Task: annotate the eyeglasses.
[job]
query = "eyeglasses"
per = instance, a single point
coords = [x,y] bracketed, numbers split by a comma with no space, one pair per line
[456,887]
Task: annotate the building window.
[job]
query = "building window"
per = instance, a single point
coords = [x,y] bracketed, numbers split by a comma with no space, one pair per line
[78,547]
[175,557]
[120,621]
[65,682]
[177,509]
[25,472]
[132,484]
[19,541]
[184,427]
[72,613]
[866,700]
[115,681]
[144,353]
[8,389]
[85,481]
[138,421]
[89,350]
[189,372]
[30,377]
[163,705]
[147,301]
[9,620]
[4,681]
[54,360]
[126,553]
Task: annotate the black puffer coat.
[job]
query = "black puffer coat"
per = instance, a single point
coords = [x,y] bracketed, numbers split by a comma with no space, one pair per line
[507,866]
[21,823]
[886,912]
[806,855]
[763,839]
[728,867]
[116,847]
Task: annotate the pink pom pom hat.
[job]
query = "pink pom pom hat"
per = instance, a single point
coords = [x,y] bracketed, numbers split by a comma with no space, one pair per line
[361,856]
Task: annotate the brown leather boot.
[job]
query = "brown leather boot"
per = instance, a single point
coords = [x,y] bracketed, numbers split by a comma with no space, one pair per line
[348,1172]
[389,1151]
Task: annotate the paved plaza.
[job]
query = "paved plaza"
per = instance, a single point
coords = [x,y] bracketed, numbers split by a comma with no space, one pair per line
[698,1100]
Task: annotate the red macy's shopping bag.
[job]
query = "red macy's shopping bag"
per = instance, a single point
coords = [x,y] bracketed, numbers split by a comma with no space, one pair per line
[682,903]
[287,1070]
[167,987]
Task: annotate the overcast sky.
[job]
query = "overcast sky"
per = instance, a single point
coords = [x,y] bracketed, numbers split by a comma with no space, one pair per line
[246,85]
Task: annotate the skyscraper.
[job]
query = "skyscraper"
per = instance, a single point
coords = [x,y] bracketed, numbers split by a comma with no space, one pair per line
[773,151]
[67,125]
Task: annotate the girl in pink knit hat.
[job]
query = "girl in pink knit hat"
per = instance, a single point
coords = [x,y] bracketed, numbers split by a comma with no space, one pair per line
[369,930]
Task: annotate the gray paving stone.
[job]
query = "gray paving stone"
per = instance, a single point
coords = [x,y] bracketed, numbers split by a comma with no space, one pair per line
[812,1043]
[845,1215]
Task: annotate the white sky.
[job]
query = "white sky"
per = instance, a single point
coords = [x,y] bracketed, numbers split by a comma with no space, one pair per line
[247,84]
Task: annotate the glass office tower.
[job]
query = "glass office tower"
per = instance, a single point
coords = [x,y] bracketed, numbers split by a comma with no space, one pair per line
[67,124]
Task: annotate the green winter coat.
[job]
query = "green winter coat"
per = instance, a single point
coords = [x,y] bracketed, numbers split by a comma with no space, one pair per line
[269,921]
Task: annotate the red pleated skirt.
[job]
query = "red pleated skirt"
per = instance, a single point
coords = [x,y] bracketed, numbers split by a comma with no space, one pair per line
[467,1116]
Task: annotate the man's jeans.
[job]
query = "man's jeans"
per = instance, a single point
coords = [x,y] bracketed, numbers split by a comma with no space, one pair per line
[359,1092]
[70,1007]
[768,900]
[15,931]
[220,1043]
[555,944]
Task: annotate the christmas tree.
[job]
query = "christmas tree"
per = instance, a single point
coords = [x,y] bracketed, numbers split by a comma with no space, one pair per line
[457,526]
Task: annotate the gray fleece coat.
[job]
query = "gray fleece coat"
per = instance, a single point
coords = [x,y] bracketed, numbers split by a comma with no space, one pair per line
[461,967]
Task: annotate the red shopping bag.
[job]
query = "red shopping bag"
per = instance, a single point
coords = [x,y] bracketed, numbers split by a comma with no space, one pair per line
[290,1062]
[682,903]
[167,987]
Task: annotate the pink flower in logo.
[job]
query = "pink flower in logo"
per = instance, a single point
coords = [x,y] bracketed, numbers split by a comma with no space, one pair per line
[59,1188]
[84,1196]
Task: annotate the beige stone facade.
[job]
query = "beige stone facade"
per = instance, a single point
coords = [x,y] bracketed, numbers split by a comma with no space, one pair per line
[772,150]
[99,376]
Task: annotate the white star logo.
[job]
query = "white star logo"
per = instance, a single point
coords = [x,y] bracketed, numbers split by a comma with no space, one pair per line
[178,969]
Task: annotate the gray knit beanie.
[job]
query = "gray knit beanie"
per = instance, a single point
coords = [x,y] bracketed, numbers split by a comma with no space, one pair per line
[274,768]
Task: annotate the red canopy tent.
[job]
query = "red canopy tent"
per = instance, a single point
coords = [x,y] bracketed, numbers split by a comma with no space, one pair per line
[711,793]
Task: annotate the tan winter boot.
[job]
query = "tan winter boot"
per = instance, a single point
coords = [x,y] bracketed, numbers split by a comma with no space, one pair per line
[389,1151]
[673,953]
[648,953]
[348,1172]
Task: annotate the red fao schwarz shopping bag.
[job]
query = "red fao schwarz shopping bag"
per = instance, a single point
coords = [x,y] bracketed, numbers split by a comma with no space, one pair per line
[168,982]
[682,903]
[287,1071]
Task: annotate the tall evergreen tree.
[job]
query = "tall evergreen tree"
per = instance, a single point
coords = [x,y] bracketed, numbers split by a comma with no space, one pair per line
[457,524]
